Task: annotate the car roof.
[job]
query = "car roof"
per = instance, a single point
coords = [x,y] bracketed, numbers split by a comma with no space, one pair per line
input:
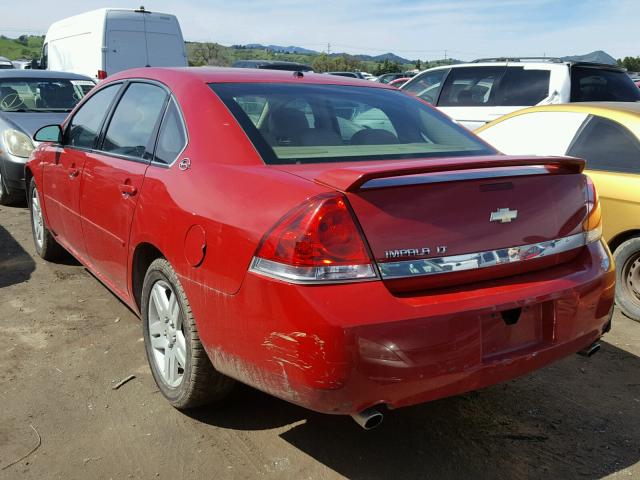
[627,113]
[17,73]
[176,75]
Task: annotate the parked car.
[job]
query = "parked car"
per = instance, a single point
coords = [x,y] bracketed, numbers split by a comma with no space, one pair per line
[108,40]
[30,99]
[273,65]
[398,82]
[303,253]
[347,74]
[5,63]
[607,136]
[476,93]
[22,64]
[389,77]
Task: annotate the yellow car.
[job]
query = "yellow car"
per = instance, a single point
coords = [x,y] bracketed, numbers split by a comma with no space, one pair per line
[607,136]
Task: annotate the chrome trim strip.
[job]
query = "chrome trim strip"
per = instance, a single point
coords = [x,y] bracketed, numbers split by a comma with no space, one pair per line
[474,261]
[455,176]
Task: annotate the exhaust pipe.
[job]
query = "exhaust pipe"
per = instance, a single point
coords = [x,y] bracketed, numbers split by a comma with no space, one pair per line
[590,350]
[369,418]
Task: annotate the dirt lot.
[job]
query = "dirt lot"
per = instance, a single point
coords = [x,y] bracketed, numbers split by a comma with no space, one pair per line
[68,341]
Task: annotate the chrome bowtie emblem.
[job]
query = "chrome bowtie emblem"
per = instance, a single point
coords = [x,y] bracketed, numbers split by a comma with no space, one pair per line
[503,215]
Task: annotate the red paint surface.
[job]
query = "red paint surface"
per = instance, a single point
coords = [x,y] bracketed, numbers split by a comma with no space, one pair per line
[332,348]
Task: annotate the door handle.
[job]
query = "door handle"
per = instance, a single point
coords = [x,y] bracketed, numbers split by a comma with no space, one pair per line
[128,190]
[74,172]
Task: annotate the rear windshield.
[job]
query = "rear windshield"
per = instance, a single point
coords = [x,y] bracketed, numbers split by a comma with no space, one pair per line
[601,85]
[335,123]
[41,94]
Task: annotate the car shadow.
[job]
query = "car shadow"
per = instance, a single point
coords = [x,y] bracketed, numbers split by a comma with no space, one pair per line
[16,265]
[577,418]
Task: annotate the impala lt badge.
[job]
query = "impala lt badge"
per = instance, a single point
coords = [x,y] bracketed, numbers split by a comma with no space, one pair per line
[414,252]
[503,215]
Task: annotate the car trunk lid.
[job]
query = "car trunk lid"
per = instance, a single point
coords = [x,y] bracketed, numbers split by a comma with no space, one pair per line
[441,222]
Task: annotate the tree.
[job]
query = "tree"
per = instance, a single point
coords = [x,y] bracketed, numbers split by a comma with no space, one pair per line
[630,63]
[387,67]
[418,64]
[208,54]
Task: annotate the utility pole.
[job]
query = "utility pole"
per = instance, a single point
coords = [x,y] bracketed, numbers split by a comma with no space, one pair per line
[328,49]
[445,55]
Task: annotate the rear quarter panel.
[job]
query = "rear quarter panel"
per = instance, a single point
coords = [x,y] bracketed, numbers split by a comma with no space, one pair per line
[620,197]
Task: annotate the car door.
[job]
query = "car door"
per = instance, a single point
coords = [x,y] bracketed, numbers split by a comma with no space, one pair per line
[61,183]
[612,154]
[113,175]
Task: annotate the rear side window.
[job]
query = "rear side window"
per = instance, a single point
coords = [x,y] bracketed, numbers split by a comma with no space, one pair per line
[535,133]
[172,138]
[335,123]
[471,87]
[523,88]
[607,145]
[134,122]
[601,85]
[85,124]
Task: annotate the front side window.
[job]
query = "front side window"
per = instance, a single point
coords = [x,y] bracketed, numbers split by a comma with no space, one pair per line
[590,84]
[427,85]
[171,137]
[130,131]
[471,87]
[607,145]
[41,94]
[84,127]
[334,123]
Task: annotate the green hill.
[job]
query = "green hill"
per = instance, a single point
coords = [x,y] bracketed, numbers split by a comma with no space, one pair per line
[25,46]
[30,46]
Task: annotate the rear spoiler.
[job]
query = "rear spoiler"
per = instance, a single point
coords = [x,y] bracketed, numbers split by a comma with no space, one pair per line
[352,178]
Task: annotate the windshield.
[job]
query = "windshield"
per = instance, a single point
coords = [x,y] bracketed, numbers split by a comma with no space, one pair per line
[41,94]
[334,123]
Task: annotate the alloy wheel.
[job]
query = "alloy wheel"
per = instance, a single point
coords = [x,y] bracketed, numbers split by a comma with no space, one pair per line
[38,223]
[166,333]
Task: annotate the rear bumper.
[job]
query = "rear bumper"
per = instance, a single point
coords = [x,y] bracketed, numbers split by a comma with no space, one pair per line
[343,348]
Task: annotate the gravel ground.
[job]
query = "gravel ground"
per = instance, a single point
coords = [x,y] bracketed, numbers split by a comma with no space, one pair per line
[68,341]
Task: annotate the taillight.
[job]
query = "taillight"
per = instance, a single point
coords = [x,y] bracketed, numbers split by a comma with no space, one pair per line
[593,223]
[316,242]
[102,74]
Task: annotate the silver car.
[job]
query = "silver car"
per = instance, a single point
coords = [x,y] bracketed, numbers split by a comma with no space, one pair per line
[30,99]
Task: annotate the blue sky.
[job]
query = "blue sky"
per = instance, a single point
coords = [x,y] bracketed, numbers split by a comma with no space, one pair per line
[466,29]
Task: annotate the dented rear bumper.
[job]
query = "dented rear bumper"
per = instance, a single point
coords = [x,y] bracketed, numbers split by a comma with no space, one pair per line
[343,348]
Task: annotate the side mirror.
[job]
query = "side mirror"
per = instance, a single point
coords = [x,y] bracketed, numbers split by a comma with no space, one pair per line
[49,133]
[35,64]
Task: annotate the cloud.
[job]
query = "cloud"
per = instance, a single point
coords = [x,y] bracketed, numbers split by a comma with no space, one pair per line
[415,29]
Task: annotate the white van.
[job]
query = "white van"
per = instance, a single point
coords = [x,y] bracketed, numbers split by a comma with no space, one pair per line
[105,41]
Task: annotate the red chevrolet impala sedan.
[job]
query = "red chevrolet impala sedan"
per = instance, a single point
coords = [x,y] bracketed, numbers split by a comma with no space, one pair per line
[334,242]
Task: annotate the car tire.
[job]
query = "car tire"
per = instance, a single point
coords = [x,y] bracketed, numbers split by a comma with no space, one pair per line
[46,246]
[179,364]
[627,257]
